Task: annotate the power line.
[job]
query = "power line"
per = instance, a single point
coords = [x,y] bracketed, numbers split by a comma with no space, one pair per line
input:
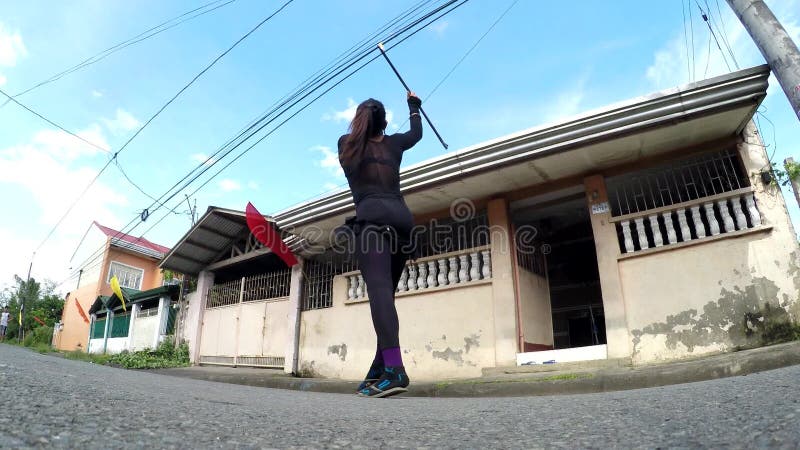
[714,35]
[12,99]
[441,10]
[124,44]
[691,29]
[686,40]
[116,154]
[722,33]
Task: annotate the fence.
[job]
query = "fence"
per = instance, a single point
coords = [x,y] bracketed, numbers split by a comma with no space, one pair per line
[247,289]
[691,199]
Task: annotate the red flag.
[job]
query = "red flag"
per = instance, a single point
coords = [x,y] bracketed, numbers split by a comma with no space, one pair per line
[267,235]
[38,320]
[80,310]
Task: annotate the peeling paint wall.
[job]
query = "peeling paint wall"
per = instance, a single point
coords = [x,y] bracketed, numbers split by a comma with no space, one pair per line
[714,296]
[444,334]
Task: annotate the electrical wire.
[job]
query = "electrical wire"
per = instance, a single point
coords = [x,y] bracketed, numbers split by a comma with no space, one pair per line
[124,44]
[30,110]
[691,30]
[714,35]
[125,145]
[441,11]
[686,40]
[723,33]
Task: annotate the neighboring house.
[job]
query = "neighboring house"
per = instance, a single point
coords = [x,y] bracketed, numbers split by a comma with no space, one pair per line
[643,231]
[101,254]
[144,321]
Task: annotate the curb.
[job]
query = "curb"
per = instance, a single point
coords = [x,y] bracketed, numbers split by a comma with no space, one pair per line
[576,381]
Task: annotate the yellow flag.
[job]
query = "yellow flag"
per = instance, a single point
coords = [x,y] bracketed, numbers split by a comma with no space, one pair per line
[118,291]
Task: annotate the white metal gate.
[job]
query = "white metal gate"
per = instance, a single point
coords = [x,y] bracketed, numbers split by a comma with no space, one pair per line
[245,322]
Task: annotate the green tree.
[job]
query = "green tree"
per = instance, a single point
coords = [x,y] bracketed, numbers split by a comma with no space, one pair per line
[40,300]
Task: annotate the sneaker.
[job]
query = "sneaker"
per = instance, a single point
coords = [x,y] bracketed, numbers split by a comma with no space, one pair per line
[374,373]
[393,381]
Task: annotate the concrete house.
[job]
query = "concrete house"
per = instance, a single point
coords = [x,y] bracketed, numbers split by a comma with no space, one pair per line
[101,254]
[643,231]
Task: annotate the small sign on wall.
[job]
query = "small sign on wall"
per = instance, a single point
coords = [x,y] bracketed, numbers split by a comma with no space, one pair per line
[600,208]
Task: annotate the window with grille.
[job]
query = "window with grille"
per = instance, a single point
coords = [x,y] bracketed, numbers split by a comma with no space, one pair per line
[128,276]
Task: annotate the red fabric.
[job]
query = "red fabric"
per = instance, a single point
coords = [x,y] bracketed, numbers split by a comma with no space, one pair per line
[38,320]
[81,311]
[267,235]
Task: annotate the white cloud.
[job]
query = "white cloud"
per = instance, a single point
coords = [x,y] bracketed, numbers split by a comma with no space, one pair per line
[97,94]
[124,121]
[229,185]
[202,158]
[53,169]
[252,185]
[566,104]
[346,115]
[329,161]
[11,47]
[3,80]
[439,27]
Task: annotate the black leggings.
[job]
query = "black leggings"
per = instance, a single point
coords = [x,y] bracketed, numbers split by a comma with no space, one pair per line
[381,258]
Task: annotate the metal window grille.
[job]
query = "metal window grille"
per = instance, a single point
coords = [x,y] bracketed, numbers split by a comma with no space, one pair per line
[318,285]
[677,182]
[224,294]
[99,328]
[261,361]
[267,285]
[120,324]
[533,261]
[172,313]
[129,277]
[451,235]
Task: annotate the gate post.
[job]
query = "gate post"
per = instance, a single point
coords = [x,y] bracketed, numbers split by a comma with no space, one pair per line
[293,338]
[205,280]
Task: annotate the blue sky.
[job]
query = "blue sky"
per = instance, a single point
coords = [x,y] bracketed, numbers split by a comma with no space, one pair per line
[544,62]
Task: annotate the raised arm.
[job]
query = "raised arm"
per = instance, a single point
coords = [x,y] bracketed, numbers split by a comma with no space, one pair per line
[412,136]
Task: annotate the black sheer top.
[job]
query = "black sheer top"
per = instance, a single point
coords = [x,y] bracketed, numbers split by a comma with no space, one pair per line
[378,170]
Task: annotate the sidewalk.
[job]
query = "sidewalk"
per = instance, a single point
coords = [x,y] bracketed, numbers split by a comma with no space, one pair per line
[531,380]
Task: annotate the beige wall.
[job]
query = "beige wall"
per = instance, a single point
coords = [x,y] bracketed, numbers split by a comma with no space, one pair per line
[504,294]
[75,333]
[535,310]
[152,274]
[693,300]
[447,333]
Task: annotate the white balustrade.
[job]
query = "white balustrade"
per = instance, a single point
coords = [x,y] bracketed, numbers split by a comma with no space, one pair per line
[730,210]
[686,232]
[486,269]
[727,220]
[711,218]
[671,236]
[452,274]
[351,287]
[441,278]
[640,231]
[360,291]
[626,236]
[755,216]
[402,285]
[475,267]
[463,269]
[741,219]
[412,277]
[699,227]
[422,278]
[432,280]
[657,239]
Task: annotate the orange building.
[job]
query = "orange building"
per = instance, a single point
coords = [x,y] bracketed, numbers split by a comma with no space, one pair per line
[101,254]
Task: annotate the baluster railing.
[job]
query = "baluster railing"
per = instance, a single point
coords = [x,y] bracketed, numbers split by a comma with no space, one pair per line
[733,208]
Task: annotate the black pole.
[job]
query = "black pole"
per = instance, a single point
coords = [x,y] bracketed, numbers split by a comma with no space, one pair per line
[383,52]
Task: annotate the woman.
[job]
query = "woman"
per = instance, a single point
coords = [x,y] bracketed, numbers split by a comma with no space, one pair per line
[371,161]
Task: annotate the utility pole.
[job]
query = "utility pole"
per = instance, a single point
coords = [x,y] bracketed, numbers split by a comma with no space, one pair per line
[774,43]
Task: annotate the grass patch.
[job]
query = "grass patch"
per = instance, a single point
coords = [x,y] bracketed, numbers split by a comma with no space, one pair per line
[165,356]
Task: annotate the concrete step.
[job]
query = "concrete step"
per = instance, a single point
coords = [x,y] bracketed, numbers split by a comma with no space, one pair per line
[558,367]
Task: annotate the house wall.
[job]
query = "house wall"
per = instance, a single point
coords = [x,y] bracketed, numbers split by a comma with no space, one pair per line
[536,314]
[75,333]
[707,297]
[263,328]
[191,323]
[447,333]
[152,274]
[144,329]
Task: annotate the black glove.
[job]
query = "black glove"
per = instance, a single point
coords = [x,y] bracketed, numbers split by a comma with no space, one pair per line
[414,102]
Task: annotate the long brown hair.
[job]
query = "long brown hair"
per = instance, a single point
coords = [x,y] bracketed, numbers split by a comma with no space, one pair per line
[369,121]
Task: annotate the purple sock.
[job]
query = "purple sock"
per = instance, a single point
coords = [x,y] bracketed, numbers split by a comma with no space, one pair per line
[392,357]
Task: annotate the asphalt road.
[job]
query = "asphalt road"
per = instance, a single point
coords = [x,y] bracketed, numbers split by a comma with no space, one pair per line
[52,402]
